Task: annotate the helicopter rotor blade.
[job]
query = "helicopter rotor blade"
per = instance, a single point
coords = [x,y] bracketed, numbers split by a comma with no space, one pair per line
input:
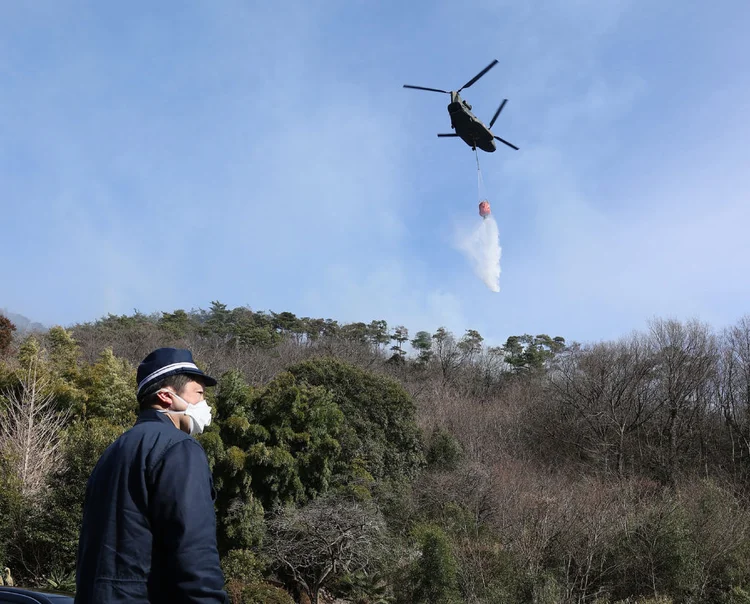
[479,75]
[423,88]
[506,142]
[451,134]
[499,109]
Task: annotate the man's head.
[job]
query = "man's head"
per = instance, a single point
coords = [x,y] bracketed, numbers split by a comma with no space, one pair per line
[169,379]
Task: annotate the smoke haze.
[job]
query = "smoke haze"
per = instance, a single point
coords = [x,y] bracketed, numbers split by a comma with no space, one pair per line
[482,247]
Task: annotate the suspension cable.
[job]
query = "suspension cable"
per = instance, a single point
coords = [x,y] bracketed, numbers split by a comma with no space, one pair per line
[480,181]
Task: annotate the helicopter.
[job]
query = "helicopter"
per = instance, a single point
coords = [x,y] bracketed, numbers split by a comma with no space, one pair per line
[469,127]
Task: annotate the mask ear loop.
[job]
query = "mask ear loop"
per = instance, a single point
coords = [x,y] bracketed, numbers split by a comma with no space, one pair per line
[172,411]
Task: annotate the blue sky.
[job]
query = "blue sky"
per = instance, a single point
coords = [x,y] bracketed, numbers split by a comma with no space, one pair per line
[163,155]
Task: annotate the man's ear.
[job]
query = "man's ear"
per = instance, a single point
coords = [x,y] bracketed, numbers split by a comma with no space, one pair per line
[165,399]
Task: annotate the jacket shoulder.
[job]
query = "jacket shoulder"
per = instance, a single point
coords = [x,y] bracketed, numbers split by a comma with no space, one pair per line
[163,439]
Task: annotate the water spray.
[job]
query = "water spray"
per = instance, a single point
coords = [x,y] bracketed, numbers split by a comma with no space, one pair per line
[482,246]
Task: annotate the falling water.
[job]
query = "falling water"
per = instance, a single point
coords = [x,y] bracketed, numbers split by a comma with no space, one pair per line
[482,247]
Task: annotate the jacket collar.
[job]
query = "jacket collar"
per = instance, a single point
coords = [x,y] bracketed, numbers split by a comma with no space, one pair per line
[152,415]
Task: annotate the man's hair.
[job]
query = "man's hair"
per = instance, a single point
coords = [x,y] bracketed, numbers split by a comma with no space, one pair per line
[148,397]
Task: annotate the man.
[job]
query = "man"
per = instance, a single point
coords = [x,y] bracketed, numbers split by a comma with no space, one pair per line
[149,527]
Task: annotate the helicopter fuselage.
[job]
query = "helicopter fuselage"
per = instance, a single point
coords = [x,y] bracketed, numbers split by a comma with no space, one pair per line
[468,127]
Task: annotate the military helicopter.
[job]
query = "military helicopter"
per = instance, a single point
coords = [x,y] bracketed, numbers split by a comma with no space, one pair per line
[469,127]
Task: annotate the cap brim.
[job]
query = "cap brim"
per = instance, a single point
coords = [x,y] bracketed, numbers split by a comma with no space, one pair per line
[206,379]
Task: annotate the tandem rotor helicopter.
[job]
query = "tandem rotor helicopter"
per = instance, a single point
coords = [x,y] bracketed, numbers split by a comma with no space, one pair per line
[469,127]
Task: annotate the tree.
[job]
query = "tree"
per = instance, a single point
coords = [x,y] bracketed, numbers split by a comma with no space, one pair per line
[379,429]
[109,390]
[313,329]
[422,343]
[286,323]
[527,353]
[255,331]
[272,446]
[433,577]
[446,352]
[606,393]
[686,361]
[325,540]
[733,380]
[219,318]
[176,323]
[443,450]
[30,430]
[63,352]
[292,445]
[400,335]
[6,333]
[377,332]
[470,344]
[354,332]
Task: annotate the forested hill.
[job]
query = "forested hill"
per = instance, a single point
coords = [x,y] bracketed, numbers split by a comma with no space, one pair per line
[368,463]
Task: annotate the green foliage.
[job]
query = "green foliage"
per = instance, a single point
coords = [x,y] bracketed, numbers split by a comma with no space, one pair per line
[61,581]
[377,333]
[396,500]
[530,353]
[432,577]
[110,386]
[59,522]
[240,522]
[444,452]
[270,446]
[253,330]
[656,553]
[648,600]
[233,396]
[11,506]
[6,333]
[8,379]
[257,593]
[325,426]
[359,482]
[471,343]
[219,318]
[30,353]
[177,323]
[354,332]
[292,458]
[242,565]
[213,445]
[422,343]
[364,588]
[717,522]
[400,336]
[63,352]
[737,595]
[380,426]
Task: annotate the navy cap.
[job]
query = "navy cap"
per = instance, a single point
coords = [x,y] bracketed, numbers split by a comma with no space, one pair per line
[163,362]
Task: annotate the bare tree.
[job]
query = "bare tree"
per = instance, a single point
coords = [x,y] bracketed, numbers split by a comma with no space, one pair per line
[30,429]
[609,390]
[686,361]
[733,383]
[325,539]
[446,353]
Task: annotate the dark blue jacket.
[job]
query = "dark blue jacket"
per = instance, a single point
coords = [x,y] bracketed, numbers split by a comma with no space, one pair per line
[149,526]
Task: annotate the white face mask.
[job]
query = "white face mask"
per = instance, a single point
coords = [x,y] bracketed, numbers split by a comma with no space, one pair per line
[199,413]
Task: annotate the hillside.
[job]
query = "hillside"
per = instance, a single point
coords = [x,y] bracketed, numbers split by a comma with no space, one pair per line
[538,471]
